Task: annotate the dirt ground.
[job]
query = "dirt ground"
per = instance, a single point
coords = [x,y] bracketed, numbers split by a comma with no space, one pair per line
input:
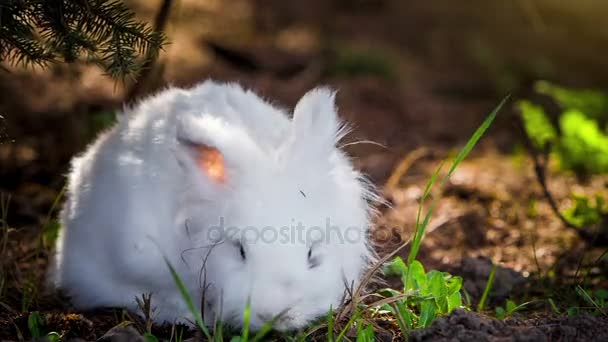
[443,69]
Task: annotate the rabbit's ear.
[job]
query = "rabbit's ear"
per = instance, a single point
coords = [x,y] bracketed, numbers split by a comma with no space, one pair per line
[315,120]
[212,146]
[208,159]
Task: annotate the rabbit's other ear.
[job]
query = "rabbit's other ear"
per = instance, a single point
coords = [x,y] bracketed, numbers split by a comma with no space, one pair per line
[316,126]
[315,117]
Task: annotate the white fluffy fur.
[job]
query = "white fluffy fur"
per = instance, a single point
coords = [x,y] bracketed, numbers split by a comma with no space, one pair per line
[137,195]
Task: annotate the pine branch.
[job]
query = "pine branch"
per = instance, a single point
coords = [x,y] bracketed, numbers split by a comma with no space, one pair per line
[100,31]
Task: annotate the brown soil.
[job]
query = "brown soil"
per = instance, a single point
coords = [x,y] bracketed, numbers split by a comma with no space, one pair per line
[463,325]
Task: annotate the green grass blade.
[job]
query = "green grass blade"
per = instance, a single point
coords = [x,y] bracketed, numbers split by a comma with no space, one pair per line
[421,227]
[418,232]
[475,138]
[581,292]
[350,322]
[486,291]
[198,318]
[246,321]
[554,307]
[266,328]
[404,317]
[365,334]
[50,227]
[330,325]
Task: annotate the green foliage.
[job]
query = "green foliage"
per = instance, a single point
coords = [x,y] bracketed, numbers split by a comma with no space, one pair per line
[149,337]
[35,324]
[581,145]
[103,31]
[598,299]
[428,294]
[537,125]
[365,334]
[585,212]
[510,308]
[591,102]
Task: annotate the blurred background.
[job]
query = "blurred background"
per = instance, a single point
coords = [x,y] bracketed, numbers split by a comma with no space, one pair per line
[409,75]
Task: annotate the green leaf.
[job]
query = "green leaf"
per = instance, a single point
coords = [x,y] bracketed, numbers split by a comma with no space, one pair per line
[500,312]
[427,313]
[536,123]
[150,338]
[584,212]
[591,102]
[418,275]
[34,323]
[388,292]
[601,294]
[405,316]
[583,146]
[395,268]
[437,285]
[439,290]
[454,301]
[511,306]
[573,311]
[454,285]
[53,337]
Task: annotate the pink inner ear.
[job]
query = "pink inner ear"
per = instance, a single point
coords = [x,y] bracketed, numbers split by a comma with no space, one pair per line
[211,161]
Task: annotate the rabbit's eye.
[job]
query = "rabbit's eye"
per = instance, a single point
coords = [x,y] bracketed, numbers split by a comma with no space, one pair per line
[241,248]
[313,261]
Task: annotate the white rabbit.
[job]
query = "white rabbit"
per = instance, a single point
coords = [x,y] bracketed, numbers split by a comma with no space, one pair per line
[248,206]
